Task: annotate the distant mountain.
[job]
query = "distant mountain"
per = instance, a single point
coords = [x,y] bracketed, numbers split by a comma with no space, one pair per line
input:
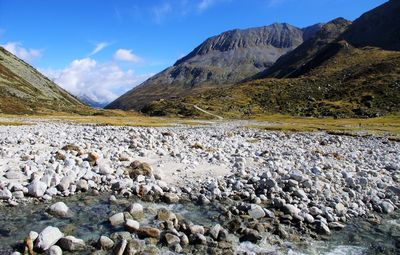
[379,27]
[221,60]
[25,90]
[296,62]
[91,102]
[345,70]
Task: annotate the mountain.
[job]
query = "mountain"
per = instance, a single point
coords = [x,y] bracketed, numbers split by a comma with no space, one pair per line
[345,70]
[91,102]
[296,62]
[25,90]
[379,27]
[221,60]
[354,82]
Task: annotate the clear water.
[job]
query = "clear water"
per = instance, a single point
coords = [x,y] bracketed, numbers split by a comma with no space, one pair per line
[89,220]
[91,214]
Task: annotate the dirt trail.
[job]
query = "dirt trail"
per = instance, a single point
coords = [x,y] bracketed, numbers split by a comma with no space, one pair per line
[207,112]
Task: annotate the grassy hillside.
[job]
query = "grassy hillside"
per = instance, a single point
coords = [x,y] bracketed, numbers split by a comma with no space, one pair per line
[24,90]
[341,81]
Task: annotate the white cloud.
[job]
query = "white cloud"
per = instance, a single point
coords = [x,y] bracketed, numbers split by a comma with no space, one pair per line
[126,55]
[26,54]
[160,12]
[99,47]
[205,4]
[102,82]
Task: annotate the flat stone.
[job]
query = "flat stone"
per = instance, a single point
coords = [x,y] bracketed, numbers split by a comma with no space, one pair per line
[136,210]
[148,232]
[132,225]
[163,214]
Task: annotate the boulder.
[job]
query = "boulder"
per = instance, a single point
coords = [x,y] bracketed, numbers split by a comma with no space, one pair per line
[132,225]
[71,243]
[59,209]
[105,243]
[148,232]
[54,250]
[137,168]
[37,188]
[171,239]
[48,237]
[136,210]
[117,219]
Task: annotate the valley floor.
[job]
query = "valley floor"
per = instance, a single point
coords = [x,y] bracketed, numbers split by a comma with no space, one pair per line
[275,185]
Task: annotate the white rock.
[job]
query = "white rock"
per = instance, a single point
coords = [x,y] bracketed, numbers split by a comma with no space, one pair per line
[59,209]
[48,237]
[117,219]
[132,225]
[37,188]
[54,250]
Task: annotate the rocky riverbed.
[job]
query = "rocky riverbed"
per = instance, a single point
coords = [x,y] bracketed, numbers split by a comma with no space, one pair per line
[219,189]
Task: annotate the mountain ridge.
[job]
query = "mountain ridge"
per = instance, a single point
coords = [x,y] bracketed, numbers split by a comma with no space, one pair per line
[221,60]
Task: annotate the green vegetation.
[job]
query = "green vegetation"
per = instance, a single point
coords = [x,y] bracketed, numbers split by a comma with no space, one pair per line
[388,125]
[354,83]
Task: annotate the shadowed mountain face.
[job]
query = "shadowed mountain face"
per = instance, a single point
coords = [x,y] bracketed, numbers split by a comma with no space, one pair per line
[379,27]
[296,62]
[24,90]
[221,60]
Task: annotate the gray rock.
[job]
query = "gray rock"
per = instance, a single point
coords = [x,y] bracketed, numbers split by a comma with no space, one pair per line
[136,210]
[54,250]
[171,198]
[340,209]
[148,232]
[104,166]
[322,228]
[387,207]
[194,229]
[214,231]
[290,209]
[256,212]
[48,237]
[71,243]
[120,248]
[164,214]
[82,185]
[33,235]
[59,209]
[117,219]
[37,188]
[105,243]
[171,239]
[5,194]
[64,183]
[132,225]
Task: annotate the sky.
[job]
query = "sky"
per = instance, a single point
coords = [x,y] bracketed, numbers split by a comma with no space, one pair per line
[103,48]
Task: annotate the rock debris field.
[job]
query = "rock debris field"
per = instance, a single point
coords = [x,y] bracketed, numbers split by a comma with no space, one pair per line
[269,187]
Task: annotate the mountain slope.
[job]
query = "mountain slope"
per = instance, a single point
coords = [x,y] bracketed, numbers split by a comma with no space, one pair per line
[295,62]
[379,27]
[352,83]
[219,61]
[24,90]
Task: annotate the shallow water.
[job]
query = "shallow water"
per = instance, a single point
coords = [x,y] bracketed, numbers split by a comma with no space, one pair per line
[91,213]
[89,221]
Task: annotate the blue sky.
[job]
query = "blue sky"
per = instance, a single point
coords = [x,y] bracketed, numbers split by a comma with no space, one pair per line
[103,48]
